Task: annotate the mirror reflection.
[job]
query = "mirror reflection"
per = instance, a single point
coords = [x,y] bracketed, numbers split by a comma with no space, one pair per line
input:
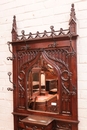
[42,88]
[35,81]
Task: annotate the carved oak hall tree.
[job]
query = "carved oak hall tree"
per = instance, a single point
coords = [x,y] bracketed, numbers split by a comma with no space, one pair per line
[45,78]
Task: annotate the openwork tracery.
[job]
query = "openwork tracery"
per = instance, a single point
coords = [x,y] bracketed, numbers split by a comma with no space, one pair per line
[52,54]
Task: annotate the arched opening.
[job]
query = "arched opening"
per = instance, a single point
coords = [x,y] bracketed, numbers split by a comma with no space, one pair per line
[43,88]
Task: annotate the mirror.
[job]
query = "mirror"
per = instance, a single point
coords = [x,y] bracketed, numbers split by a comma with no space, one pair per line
[35,81]
[42,88]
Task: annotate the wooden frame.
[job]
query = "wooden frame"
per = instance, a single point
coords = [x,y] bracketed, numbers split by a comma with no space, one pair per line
[57,48]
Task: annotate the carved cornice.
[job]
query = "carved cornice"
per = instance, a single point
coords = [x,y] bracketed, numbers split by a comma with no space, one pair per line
[46,34]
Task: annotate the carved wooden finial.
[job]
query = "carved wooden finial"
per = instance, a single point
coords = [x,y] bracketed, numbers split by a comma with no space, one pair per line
[72,21]
[14,29]
[73,12]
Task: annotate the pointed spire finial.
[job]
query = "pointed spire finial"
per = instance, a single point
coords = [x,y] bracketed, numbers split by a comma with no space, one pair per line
[14,23]
[72,14]
[14,29]
[72,21]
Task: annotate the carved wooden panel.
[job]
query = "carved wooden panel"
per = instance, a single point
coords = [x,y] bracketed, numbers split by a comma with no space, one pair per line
[54,48]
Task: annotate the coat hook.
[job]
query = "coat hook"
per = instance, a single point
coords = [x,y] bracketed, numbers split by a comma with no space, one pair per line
[11,89]
[13,56]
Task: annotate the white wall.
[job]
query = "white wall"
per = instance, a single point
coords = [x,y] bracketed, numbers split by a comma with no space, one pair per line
[37,15]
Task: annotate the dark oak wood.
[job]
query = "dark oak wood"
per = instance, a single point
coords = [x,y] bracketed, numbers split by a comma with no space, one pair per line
[45,78]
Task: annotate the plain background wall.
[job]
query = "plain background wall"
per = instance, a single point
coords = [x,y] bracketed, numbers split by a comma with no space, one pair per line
[39,15]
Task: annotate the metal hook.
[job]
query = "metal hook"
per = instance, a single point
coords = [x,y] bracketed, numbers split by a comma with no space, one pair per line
[13,56]
[11,89]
